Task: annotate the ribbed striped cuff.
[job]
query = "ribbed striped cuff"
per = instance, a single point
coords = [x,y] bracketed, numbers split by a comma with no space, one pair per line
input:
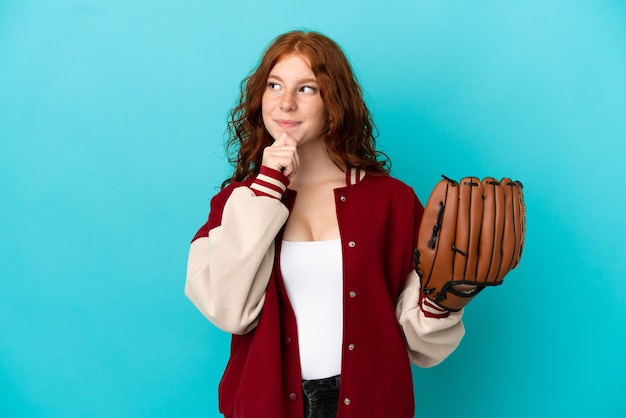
[270,182]
[431,310]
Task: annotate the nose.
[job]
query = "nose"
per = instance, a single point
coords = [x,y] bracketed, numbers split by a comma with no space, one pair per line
[287,102]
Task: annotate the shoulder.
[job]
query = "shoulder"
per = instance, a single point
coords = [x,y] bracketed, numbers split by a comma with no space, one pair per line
[388,184]
[397,193]
[218,201]
[222,196]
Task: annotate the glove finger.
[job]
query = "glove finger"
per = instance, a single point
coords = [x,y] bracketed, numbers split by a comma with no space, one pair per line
[510,239]
[519,221]
[437,235]
[490,250]
[470,215]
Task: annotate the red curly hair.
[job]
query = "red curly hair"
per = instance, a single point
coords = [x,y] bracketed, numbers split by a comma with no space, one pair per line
[349,135]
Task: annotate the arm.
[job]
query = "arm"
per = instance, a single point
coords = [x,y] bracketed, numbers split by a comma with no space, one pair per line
[228,270]
[431,334]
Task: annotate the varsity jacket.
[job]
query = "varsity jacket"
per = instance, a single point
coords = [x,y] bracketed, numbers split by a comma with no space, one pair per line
[233,278]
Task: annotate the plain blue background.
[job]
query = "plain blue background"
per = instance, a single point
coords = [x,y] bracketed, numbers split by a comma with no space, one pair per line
[112,115]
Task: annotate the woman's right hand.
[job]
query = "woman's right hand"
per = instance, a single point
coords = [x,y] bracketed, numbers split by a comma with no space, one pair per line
[282,155]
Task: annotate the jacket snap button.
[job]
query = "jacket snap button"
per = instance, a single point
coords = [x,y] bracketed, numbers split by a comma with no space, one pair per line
[342,198]
[351,347]
[352,294]
[287,340]
[351,244]
[293,397]
[346,401]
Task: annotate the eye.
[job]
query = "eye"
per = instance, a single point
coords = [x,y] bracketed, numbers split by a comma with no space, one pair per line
[308,89]
[273,86]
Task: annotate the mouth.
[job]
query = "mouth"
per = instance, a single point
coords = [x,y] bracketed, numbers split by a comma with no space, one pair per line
[286,124]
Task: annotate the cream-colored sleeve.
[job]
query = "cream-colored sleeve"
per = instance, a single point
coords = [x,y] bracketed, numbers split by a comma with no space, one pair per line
[431,334]
[228,271]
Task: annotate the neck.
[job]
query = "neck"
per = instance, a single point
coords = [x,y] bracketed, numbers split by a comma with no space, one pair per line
[315,166]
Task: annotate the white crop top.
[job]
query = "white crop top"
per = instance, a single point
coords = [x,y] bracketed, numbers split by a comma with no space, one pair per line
[312,273]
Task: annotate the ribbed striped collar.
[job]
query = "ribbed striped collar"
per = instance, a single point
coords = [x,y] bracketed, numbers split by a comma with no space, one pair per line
[354,176]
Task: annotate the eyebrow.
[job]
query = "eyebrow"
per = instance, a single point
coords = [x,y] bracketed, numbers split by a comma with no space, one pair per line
[300,81]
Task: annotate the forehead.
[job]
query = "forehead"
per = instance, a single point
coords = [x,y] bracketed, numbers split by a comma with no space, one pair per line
[293,65]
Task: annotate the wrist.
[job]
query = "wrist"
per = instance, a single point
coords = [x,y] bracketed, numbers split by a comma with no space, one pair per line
[270,182]
[430,309]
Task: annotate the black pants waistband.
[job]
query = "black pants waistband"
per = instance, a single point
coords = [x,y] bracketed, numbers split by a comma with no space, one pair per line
[321,397]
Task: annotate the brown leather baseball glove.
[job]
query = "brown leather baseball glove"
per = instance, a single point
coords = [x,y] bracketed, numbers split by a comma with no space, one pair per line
[471,236]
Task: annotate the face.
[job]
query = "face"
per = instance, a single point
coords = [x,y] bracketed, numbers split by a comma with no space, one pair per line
[292,102]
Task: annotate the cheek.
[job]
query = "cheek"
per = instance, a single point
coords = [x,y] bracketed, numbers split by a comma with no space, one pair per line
[266,115]
[264,104]
[322,115]
[265,108]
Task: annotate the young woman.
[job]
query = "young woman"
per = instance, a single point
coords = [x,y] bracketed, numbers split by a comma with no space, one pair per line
[307,255]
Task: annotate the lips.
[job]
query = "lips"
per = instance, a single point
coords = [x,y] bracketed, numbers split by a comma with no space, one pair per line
[286,124]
